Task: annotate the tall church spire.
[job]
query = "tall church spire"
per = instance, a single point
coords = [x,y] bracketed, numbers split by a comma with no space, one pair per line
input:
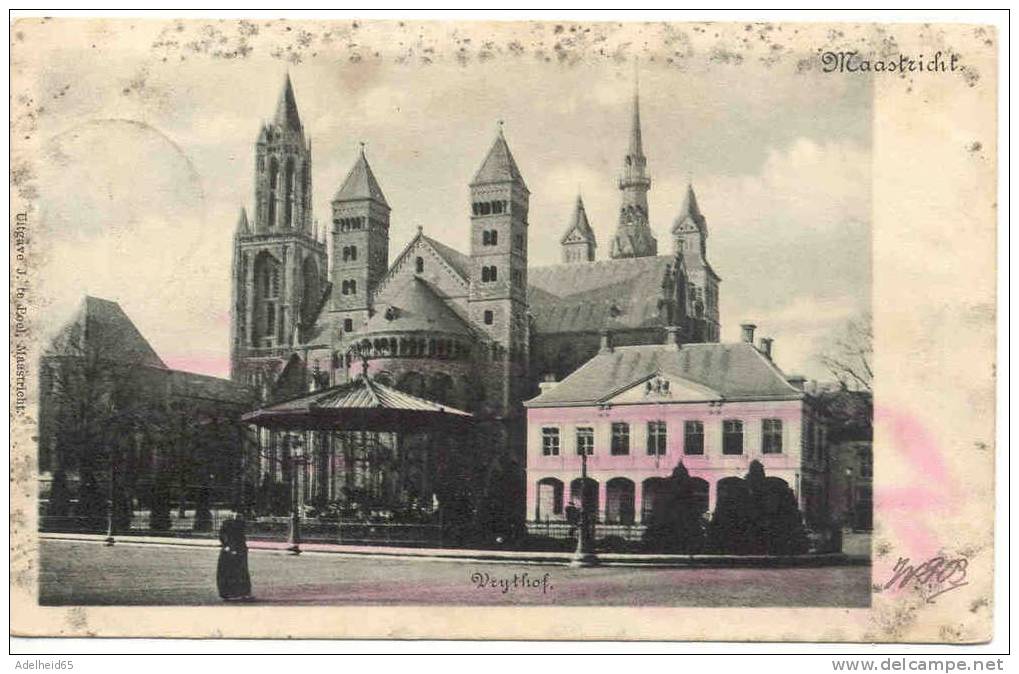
[633,236]
[286,109]
[636,144]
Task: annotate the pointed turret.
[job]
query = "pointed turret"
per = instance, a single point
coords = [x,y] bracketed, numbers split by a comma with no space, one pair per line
[243,227]
[636,143]
[499,165]
[360,240]
[286,109]
[361,184]
[633,236]
[578,243]
[690,212]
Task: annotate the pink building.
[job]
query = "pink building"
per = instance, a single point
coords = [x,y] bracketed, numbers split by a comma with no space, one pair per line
[637,411]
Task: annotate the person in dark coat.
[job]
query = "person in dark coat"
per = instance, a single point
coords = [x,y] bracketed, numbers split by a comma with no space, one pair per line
[232,578]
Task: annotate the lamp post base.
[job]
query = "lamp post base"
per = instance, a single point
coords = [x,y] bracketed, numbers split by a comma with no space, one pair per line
[294,549]
[581,560]
[109,540]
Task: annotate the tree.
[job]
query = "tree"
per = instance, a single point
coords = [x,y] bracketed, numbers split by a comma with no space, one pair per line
[849,355]
[676,523]
[758,515]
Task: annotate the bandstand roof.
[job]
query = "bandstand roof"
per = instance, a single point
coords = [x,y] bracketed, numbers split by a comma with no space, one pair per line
[359,405]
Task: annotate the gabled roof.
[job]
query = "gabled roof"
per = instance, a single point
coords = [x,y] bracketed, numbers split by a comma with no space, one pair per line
[416,308]
[457,260]
[286,109]
[579,224]
[360,184]
[499,166]
[733,371]
[586,297]
[101,330]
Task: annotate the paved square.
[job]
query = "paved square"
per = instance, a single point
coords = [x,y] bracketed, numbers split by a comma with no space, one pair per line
[86,573]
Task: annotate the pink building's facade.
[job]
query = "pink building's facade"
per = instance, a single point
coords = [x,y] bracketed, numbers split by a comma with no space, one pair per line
[639,411]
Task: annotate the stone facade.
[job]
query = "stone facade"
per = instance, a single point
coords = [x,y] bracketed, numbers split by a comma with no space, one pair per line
[477,330]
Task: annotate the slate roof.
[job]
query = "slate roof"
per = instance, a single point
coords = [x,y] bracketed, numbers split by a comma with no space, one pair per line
[499,166]
[109,336]
[623,293]
[732,371]
[416,308]
[360,184]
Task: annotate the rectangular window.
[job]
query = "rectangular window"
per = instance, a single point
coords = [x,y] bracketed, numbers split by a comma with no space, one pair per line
[489,317]
[348,325]
[620,438]
[550,441]
[490,237]
[732,436]
[585,440]
[771,436]
[693,437]
[657,438]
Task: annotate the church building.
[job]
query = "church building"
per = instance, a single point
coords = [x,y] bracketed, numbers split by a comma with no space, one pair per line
[478,330]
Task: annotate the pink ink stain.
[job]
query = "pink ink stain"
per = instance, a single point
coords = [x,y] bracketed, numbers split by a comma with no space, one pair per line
[910,506]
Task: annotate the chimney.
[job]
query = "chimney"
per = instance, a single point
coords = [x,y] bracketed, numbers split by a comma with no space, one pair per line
[606,342]
[766,343]
[797,380]
[748,332]
[673,336]
[549,383]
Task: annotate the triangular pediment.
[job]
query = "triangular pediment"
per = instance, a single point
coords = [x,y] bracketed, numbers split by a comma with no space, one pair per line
[663,388]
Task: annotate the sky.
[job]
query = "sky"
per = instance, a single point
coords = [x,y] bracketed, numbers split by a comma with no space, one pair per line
[142,159]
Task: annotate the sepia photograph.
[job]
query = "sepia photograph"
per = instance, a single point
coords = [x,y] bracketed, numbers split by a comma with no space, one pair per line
[420,316]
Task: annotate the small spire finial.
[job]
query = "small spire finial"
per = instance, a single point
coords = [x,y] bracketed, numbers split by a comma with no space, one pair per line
[500,124]
[362,144]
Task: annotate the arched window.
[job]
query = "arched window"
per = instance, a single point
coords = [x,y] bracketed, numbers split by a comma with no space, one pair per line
[588,496]
[419,264]
[550,499]
[288,194]
[619,494]
[311,289]
[273,180]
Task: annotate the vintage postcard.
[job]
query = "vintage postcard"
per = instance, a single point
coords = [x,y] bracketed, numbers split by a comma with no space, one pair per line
[503,330]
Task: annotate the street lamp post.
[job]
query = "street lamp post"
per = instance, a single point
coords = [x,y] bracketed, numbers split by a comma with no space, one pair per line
[584,555]
[110,509]
[295,459]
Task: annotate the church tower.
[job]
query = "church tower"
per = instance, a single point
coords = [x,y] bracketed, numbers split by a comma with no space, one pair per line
[689,238]
[633,236]
[279,265]
[498,274]
[578,243]
[360,248]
